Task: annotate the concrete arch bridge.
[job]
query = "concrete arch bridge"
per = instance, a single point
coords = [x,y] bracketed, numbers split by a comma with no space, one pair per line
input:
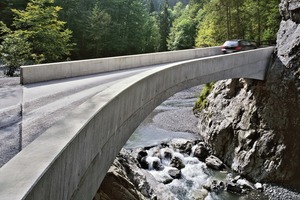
[70,159]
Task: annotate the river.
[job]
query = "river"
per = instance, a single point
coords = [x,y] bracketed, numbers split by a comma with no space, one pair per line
[174,119]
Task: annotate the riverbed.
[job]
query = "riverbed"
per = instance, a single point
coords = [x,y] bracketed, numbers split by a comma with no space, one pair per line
[174,118]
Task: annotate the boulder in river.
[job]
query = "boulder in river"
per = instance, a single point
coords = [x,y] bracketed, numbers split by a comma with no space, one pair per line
[214,163]
[201,151]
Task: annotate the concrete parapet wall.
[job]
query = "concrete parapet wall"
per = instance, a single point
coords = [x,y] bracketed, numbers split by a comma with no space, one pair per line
[52,71]
[70,160]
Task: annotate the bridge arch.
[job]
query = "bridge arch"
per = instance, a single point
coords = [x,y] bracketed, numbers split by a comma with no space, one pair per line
[70,160]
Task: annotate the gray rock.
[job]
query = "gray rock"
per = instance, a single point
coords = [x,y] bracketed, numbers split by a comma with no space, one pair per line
[117,185]
[154,163]
[214,185]
[289,9]
[259,186]
[175,173]
[183,145]
[141,158]
[245,184]
[201,151]
[166,153]
[288,37]
[253,126]
[214,163]
[254,132]
[233,187]
[166,179]
[288,42]
[177,162]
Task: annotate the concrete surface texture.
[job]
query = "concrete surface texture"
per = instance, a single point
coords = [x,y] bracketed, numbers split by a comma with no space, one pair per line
[37,106]
[52,71]
[46,103]
[70,160]
[11,94]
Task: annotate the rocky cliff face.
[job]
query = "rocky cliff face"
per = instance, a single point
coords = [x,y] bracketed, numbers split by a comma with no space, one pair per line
[254,126]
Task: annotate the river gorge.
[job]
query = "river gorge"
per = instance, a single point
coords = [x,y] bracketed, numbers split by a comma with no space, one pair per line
[166,131]
[248,131]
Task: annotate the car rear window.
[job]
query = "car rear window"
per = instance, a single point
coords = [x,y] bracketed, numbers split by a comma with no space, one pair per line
[230,43]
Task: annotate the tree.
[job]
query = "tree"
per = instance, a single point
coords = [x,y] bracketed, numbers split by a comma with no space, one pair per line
[184,24]
[254,20]
[97,26]
[38,29]
[6,15]
[127,31]
[110,27]
[76,14]
[182,33]
[212,30]
[152,36]
[41,29]
[14,50]
[165,25]
[39,21]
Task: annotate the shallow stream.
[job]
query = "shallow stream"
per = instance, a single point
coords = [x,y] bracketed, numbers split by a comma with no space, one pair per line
[174,119]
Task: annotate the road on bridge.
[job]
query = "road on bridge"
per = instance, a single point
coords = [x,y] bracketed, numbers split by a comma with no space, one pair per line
[28,111]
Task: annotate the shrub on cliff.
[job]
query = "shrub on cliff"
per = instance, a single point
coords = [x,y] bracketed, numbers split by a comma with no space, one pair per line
[201,102]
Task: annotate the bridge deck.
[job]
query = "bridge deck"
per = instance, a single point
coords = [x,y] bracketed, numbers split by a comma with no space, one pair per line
[70,160]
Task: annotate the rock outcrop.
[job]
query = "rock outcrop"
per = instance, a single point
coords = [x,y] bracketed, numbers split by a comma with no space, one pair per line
[126,180]
[254,126]
[117,185]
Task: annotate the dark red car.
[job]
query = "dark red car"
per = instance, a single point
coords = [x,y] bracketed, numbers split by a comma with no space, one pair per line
[236,45]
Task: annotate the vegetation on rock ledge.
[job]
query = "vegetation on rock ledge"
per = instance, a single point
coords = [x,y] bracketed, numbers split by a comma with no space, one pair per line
[201,102]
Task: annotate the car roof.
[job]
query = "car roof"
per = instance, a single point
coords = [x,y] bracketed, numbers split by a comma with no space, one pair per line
[235,40]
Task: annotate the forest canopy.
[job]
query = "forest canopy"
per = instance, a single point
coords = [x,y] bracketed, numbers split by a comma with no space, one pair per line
[81,29]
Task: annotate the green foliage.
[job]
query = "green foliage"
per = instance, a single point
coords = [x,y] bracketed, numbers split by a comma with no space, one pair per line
[183,31]
[182,34]
[152,35]
[110,27]
[122,27]
[211,29]
[48,38]
[38,36]
[230,19]
[14,50]
[201,102]
[157,4]
[165,25]
[6,15]
[126,34]
[96,30]
[76,13]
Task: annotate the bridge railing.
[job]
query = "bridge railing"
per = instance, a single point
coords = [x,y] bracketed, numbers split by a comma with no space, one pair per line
[61,70]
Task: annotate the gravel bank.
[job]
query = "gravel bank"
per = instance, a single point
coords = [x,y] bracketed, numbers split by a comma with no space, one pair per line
[169,120]
[181,117]
[279,193]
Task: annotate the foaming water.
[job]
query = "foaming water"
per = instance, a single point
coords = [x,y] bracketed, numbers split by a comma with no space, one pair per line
[193,176]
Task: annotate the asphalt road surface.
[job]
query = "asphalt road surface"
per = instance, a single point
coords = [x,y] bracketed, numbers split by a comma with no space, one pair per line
[28,111]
